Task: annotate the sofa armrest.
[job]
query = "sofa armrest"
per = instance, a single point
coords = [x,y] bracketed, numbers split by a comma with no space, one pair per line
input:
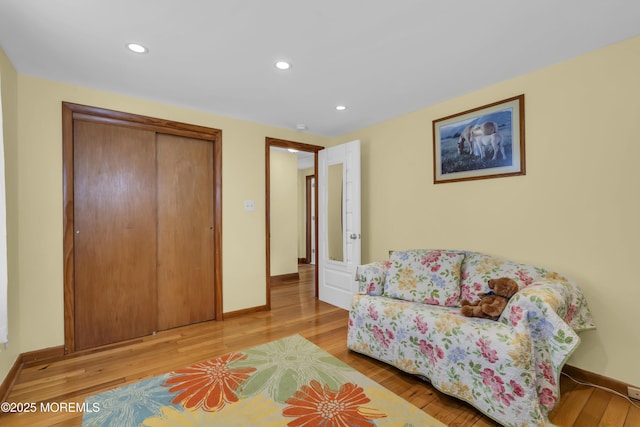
[549,312]
[370,278]
[555,301]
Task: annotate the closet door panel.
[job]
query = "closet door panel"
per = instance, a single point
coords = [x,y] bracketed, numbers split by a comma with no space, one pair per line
[185,231]
[115,233]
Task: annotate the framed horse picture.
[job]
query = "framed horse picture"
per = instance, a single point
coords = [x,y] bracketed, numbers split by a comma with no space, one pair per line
[485,142]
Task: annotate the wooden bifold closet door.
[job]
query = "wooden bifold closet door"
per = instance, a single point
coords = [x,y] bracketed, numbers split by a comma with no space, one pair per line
[144,232]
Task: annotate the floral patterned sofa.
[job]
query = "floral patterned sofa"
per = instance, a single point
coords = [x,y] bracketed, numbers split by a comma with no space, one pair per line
[407,313]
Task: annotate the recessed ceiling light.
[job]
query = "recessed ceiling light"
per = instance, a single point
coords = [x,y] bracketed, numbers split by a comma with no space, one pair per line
[292,150]
[283,65]
[341,107]
[137,48]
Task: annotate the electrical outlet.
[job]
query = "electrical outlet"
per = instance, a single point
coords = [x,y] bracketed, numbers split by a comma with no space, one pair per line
[633,392]
[249,205]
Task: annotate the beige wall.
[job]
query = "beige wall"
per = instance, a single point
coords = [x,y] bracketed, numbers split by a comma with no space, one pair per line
[283,183]
[577,209]
[9,79]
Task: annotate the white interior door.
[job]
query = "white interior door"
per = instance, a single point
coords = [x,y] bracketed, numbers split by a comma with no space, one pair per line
[339,222]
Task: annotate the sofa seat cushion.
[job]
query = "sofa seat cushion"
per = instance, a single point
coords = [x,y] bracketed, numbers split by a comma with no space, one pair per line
[483,362]
[425,276]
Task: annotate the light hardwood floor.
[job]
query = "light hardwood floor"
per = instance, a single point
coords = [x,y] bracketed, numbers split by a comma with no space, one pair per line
[294,311]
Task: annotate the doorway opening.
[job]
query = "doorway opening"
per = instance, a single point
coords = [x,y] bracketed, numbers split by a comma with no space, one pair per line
[300,147]
[310,223]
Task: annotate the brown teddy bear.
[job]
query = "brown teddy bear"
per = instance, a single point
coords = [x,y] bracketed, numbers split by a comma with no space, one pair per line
[492,303]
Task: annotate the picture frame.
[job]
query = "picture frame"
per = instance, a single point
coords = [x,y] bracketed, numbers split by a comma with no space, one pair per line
[481,143]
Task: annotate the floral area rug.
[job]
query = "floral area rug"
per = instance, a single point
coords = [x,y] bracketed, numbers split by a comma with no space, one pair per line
[289,382]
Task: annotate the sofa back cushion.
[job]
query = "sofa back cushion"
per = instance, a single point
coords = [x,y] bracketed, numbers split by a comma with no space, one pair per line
[478,268]
[425,276]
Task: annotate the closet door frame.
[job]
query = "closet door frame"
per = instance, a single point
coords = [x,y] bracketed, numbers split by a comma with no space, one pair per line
[71,112]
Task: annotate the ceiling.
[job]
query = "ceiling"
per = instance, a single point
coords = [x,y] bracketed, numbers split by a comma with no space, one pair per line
[380,58]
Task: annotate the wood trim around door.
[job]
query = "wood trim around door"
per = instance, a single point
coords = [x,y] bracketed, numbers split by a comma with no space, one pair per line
[309,183]
[71,112]
[309,148]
